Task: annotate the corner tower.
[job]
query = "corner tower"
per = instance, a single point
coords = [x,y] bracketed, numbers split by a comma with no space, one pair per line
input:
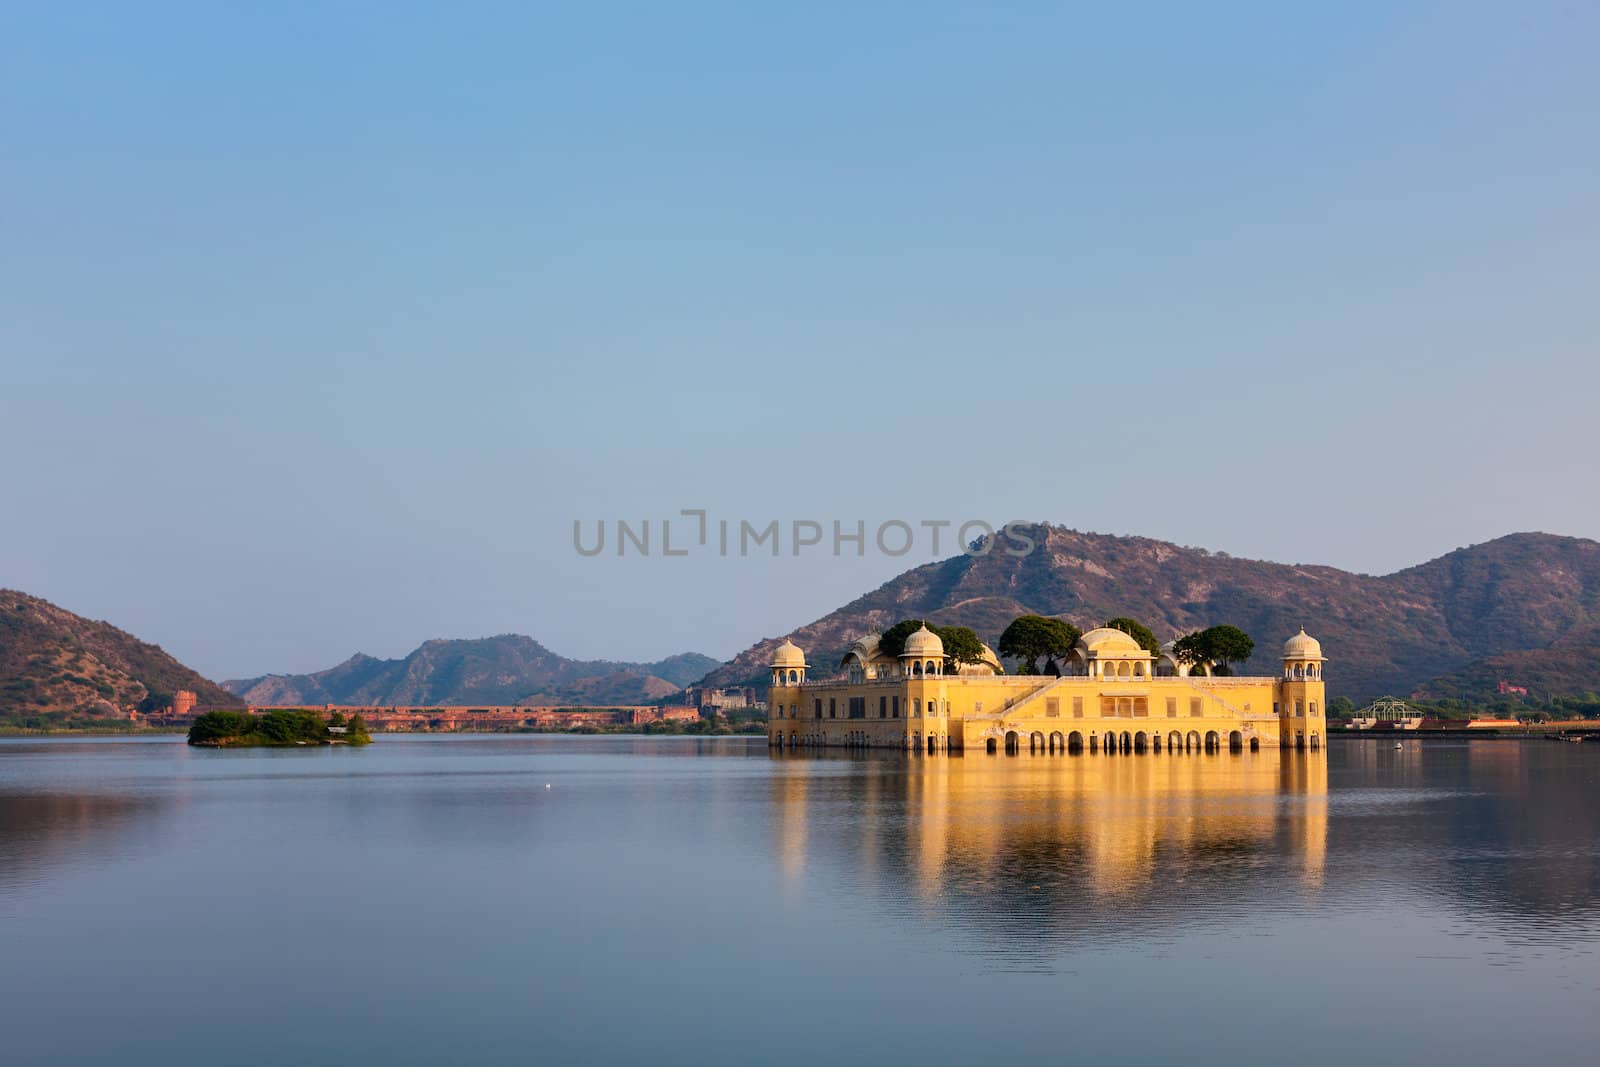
[783,698]
[1302,702]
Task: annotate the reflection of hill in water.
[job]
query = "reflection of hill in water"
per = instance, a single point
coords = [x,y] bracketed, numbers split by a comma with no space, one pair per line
[40,831]
[1086,848]
[1078,847]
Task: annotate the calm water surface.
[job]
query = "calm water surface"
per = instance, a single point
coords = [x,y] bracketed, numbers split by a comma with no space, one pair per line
[675,900]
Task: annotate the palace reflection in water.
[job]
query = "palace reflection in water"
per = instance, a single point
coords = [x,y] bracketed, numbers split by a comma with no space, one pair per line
[1082,845]
[1062,836]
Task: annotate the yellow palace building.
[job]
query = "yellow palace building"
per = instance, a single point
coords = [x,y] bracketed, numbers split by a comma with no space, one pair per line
[1111,696]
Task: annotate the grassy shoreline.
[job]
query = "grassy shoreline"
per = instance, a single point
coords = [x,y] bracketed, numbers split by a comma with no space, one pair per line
[577,731]
[91,731]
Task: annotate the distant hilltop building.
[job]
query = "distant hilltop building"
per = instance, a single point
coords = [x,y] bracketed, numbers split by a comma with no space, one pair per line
[1113,696]
[715,701]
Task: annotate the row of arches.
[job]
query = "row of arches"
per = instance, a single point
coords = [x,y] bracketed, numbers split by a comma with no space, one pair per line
[1127,741]
[932,744]
[1118,669]
[1077,667]
[1110,742]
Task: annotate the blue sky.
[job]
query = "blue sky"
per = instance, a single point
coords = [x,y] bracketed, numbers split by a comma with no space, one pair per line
[321,324]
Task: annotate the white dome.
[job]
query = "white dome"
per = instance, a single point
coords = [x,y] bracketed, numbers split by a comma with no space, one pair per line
[1109,641]
[788,654]
[1302,646]
[924,644]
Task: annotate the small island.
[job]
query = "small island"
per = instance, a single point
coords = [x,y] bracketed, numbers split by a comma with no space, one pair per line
[276,729]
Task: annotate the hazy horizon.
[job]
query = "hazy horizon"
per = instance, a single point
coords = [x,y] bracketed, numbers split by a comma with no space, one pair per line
[624,656]
[753,638]
[320,327]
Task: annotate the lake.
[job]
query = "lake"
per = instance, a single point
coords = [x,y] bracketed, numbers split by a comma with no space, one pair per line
[598,900]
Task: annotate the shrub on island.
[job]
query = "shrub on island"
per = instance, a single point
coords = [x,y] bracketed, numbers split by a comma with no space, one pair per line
[276,729]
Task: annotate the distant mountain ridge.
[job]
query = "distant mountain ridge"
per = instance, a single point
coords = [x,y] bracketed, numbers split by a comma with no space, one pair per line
[505,669]
[54,661]
[1524,605]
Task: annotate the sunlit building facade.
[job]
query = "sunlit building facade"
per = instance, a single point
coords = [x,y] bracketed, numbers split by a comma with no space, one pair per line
[1111,695]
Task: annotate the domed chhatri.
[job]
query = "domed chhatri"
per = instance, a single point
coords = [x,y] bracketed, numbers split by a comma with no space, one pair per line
[788,664]
[868,662]
[1108,640]
[1302,646]
[1302,657]
[924,654]
[1107,652]
[923,644]
[788,654]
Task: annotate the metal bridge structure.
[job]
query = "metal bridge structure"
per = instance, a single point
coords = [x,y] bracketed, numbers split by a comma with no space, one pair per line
[1388,709]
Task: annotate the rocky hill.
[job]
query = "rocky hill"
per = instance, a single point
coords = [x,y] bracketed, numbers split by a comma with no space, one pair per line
[1532,597]
[54,661]
[508,669]
[1570,666]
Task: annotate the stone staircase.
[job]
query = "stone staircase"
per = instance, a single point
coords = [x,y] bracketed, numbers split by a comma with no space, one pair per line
[1013,706]
[1208,694]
